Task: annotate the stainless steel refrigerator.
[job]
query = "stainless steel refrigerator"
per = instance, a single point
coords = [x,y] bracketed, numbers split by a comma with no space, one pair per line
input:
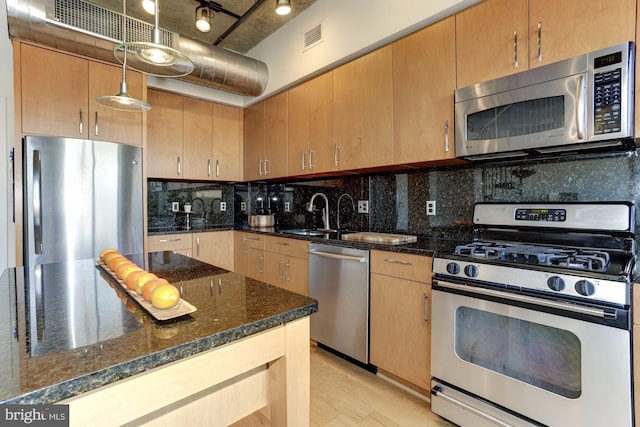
[80,197]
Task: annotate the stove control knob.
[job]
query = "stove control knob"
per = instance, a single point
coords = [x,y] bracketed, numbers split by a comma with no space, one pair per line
[555,283]
[585,287]
[453,268]
[471,271]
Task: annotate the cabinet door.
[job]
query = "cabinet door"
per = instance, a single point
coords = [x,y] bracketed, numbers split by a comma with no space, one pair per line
[275,135]
[363,101]
[296,275]
[274,269]
[241,252]
[256,264]
[254,142]
[424,81]
[596,25]
[485,40]
[310,142]
[400,328]
[164,135]
[215,248]
[227,143]
[107,124]
[54,93]
[197,134]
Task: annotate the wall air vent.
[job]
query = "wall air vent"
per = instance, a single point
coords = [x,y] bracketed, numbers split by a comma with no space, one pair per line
[312,37]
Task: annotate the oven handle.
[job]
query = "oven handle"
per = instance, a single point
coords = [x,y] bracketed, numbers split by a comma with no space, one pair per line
[438,392]
[525,298]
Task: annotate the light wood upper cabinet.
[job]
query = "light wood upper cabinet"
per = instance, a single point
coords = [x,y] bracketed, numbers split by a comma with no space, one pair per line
[311,147]
[54,92]
[164,135]
[491,40]
[363,110]
[546,31]
[197,144]
[107,124]
[424,81]
[276,135]
[228,153]
[265,138]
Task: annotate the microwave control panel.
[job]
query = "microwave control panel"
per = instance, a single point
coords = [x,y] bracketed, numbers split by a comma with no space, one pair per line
[607,94]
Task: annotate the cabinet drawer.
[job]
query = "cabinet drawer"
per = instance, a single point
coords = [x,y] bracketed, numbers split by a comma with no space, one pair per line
[169,242]
[255,241]
[292,247]
[404,266]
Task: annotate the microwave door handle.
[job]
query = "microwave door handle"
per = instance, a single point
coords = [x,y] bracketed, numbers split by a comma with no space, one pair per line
[580,107]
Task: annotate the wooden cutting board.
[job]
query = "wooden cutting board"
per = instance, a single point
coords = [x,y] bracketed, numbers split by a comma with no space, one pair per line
[380,238]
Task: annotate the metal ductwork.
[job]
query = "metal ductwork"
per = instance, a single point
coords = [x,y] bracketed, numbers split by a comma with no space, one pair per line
[83,28]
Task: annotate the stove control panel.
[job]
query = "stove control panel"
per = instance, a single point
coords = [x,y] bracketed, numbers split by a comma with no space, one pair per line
[541,214]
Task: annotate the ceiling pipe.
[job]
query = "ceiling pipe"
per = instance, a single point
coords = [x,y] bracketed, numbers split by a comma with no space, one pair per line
[83,28]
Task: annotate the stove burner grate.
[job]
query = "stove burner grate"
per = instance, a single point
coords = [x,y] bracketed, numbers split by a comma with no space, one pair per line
[581,259]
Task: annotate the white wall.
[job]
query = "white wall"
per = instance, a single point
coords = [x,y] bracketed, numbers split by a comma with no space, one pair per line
[7,232]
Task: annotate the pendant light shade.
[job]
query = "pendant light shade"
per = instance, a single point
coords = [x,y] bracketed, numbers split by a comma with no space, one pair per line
[149,6]
[283,7]
[122,101]
[154,57]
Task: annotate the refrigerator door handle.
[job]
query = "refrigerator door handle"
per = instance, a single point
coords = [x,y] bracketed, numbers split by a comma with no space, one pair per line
[37,202]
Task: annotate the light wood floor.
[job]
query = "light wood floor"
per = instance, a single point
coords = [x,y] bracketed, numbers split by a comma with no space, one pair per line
[344,395]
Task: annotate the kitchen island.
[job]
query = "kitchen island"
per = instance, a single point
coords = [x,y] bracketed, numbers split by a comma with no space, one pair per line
[73,337]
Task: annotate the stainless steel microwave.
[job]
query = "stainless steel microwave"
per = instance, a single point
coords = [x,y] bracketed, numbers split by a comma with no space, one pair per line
[580,103]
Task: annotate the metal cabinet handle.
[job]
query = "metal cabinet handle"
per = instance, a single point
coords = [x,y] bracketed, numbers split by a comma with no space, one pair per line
[398,261]
[286,271]
[260,167]
[169,240]
[540,41]
[266,169]
[197,246]
[260,263]
[446,136]
[303,164]
[311,165]
[244,245]
[217,167]
[81,123]
[280,263]
[255,238]
[515,49]
[179,166]
[282,243]
[209,167]
[336,155]
[425,314]
[97,129]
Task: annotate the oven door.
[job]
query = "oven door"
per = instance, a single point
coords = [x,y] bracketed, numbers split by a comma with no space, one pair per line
[554,369]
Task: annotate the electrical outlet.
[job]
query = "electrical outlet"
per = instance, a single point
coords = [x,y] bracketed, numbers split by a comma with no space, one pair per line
[243,206]
[175,206]
[223,206]
[431,207]
[287,206]
[363,206]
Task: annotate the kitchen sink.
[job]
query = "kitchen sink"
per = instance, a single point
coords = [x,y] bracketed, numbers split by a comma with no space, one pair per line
[304,232]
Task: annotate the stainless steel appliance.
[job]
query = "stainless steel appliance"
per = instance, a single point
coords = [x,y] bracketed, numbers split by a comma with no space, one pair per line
[80,197]
[531,321]
[339,280]
[579,103]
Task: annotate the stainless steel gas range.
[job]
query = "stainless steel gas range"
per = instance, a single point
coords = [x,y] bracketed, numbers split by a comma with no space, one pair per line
[532,320]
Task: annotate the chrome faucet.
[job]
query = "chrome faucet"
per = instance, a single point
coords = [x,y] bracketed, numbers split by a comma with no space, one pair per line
[325,212]
[353,205]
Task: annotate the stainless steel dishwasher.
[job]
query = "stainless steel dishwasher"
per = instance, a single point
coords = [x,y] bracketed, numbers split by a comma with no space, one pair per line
[339,280]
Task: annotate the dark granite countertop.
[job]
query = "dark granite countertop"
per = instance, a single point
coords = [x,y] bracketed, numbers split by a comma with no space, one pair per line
[65,330]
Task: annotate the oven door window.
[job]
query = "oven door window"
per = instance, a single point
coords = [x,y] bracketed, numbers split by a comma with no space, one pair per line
[540,355]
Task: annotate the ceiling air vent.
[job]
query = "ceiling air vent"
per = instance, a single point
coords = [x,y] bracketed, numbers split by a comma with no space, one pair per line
[312,37]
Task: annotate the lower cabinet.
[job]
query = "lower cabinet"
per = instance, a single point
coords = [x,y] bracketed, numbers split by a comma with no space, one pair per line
[215,248]
[179,243]
[400,327]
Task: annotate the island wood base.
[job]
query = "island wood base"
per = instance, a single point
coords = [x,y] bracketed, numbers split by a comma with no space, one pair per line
[213,388]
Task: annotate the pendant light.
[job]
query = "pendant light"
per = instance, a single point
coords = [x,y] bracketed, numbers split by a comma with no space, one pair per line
[123,101]
[283,7]
[153,57]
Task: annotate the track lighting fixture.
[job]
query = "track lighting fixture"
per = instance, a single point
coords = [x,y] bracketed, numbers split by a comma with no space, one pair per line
[149,6]
[283,7]
[204,16]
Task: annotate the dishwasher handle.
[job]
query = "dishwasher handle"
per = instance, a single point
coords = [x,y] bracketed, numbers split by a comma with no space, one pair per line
[338,256]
